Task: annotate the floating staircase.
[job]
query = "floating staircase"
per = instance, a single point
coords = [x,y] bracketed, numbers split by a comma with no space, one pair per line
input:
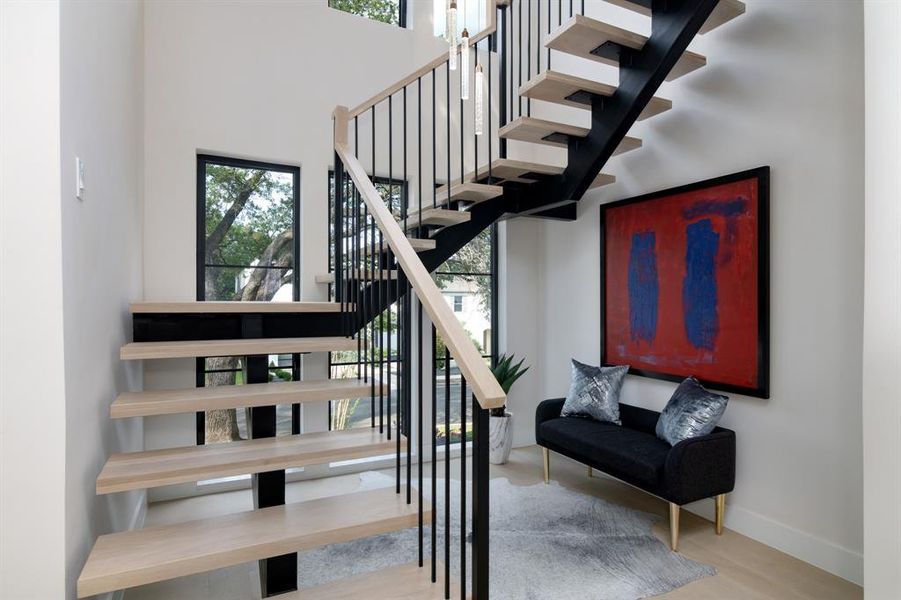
[469,194]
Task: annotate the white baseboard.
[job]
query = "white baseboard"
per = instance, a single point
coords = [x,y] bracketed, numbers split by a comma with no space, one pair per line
[821,553]
[818,552]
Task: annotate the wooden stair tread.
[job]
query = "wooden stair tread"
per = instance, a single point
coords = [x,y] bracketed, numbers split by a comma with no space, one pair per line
[138,557]
[569,90]
[153,468]
[358,274]
[581,35]
[205,307]
[404,582]
[601,180]
[725,11]
[239,347]
[418,244]
[540,131]
[169,402]
[437,216]
[469,192]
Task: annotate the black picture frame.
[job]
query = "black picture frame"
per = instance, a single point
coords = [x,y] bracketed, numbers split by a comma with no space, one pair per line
[762,174]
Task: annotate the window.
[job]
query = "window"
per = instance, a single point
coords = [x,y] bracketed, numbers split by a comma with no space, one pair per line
[468,280]
[393,12]
[360,412]
[247,249]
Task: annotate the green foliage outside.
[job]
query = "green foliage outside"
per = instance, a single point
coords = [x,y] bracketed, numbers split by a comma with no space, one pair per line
[249,225]
[249,216]
[385,11]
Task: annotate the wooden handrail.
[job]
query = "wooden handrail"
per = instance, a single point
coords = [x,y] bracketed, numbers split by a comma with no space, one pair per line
[490,27]
[484,386]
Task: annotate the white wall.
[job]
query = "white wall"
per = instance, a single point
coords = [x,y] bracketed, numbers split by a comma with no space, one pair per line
[783,87]
[32,400]
[262,83]
[882,308]
[101,122]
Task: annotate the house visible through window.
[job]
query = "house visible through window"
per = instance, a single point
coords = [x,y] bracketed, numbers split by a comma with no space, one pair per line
[393,12]
[247,249]
[469,284]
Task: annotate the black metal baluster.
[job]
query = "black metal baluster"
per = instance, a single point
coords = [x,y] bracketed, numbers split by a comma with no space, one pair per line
[447,457]
[408,385]
[529,56]
[419,454]
[401,368]
[505,103]
[351,282]
[519,61]
[462,487]
[480,499]
[338,228]
[548,33]
[404,212]
[434,458]
[489,131]
[419,146]
[387,382]
[475,138]
[448,137]
[434,147]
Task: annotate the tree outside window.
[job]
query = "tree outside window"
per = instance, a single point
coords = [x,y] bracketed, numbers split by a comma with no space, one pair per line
[247,251]
[392,12]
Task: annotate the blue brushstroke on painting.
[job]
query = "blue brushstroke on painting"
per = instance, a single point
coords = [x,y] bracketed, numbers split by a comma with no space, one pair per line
[644,288]
[699,289]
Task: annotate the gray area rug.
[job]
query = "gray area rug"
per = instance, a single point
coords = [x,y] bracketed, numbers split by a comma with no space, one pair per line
[547,542]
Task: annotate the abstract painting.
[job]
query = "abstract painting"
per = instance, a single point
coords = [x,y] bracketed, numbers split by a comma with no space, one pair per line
[685,283]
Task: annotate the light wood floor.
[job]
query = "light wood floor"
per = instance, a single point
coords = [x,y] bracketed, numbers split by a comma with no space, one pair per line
[745,569]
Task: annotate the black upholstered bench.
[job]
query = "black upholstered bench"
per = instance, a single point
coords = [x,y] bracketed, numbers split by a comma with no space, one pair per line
[693,469]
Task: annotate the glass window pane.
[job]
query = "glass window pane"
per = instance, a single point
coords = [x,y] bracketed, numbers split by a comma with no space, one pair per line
[385,11]
[467,284]
[248,255]
[474,257]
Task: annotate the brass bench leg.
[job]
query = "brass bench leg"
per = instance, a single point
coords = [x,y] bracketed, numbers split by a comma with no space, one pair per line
[674,526]
[720,512]
[547,465]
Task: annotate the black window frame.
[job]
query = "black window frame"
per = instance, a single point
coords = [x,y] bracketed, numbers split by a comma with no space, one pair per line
[203,160]
[402,14]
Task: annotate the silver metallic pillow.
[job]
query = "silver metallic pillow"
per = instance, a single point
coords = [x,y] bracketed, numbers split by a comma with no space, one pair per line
[692,411]
[594,392]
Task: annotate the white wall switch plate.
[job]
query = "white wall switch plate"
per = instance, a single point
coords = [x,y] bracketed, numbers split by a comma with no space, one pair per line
[79,178]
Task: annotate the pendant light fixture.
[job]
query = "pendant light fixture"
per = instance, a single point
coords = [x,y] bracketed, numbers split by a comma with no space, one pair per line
[479,116]
[452,35]
[464,65]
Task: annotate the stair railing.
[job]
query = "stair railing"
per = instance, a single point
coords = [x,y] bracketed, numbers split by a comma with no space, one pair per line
[375,266]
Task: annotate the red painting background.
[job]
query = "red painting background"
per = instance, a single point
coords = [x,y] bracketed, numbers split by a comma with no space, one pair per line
[734,359]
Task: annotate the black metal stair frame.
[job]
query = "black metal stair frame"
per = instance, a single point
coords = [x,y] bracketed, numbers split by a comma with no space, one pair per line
[674,24]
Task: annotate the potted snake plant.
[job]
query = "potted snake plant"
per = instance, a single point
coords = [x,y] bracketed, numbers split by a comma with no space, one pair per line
[500,422]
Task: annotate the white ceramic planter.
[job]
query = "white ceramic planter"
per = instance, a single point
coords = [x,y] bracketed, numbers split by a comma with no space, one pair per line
[500,438]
